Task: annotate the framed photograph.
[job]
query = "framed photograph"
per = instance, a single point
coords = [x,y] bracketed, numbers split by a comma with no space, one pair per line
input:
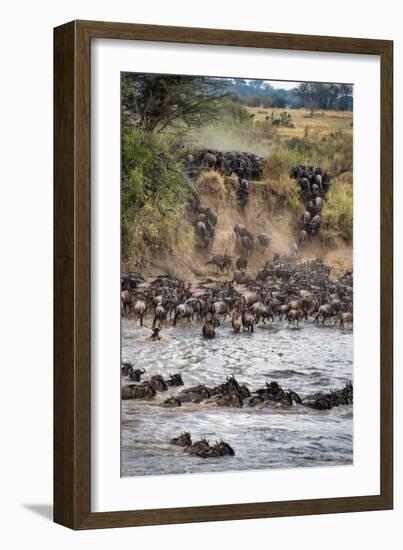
[222,275]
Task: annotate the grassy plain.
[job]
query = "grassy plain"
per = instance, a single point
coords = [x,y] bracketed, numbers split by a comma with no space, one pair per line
[320,123]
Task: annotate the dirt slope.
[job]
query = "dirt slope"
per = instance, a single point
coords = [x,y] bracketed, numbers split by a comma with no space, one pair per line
[264,213]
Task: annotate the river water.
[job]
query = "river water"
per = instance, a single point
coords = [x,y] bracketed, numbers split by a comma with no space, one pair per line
[306,360]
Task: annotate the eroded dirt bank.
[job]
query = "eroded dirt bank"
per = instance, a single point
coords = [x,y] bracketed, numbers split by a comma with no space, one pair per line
[266,212]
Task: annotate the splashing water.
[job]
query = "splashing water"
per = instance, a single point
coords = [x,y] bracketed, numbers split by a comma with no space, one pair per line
[306,360]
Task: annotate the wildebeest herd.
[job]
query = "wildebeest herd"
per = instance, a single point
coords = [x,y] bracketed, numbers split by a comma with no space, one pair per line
[314,183]
[243,164]
[284,289]
[202,448]
[230,394]
[281,289]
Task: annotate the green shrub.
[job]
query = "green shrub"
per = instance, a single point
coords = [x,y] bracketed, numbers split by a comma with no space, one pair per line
[154,191]
[333,153]
[337,214]
[279,164]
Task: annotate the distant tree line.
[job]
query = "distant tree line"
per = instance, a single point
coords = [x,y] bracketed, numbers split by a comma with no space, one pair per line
[309,95]
[315,95]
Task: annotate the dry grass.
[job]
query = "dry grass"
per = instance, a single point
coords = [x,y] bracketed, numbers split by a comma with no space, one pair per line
[337,214]
[211,182]
[322,122]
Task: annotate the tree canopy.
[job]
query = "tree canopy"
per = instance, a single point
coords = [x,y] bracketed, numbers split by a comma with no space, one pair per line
[153,102]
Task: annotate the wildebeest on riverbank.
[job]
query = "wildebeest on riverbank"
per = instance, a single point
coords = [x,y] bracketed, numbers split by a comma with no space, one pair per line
[282,289]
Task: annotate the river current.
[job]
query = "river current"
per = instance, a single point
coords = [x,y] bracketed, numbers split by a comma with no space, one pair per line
[306,359]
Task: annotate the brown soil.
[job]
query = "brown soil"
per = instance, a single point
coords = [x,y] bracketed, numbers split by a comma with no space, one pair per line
[264,213]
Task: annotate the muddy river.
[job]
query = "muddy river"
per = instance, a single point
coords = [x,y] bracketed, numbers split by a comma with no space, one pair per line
[306,360]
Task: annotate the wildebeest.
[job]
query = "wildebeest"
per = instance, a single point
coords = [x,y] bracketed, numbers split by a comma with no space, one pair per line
[273,392]
[127,368]
[160,315]
[209,161]
[300,304]
[208,329]
[144,390]
[263,240]
[333,398]
[175,379]
[302,236]
[255,400]
[318,181]
[236,323]
[211,218]
[325,311]
[241,231]
[171,402]
[240,277]
[158,383]
[314,225]
[242,263]
[139,310]
[194,394]
[184,311]
[222,262]
[248,320]
[155,335]
[184,440]
[247,243]
[128,282]
[231,385]
[249,298]
[319,202]
[203,449]
[294,316]
[305,219]
[283,311]
[315,189]
[262,311]
[199,448]
[262,274]
[220,308]
[222,449]
[304,184]
[126,301]
[202,233]
[243,192]
[231,399]
[342,318]
[136,375]
[215,321]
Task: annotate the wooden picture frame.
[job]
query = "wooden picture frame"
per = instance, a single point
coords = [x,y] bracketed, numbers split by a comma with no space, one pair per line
[72,270]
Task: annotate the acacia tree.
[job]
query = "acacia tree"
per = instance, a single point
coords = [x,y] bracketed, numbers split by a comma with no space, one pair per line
[154,102]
